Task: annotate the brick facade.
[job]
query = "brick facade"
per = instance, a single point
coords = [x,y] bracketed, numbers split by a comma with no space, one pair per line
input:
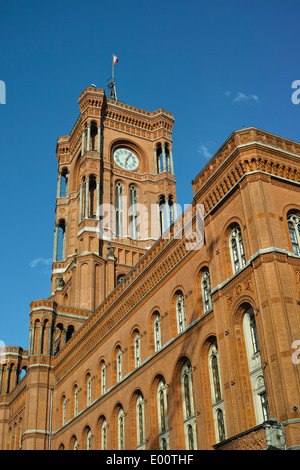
[188,376]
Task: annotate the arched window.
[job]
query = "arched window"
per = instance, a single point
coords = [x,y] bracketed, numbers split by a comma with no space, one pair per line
[180,312]
[121,430]
[294,229]
[137,349]
[188,406]
[237,253]
[140,425]
[206,292]
[221,425]
[64,414]
[255,366]
[133,212]
[157,332]
[216,392]
[103,378]
[119,205]
[103,435]
[89,440]
[76,391]
[119,365]
[89,390]
[162,412]
[120,278]
[60,241]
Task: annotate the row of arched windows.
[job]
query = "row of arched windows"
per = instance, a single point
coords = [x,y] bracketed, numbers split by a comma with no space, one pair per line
[162,406]
[187,392]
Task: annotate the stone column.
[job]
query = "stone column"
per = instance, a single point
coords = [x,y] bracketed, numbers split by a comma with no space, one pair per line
[16,379]
[97,198]
[58,194]
[80,202]
[8,370]
[164,156]
[83,142]
[88,139]
[87,196]
[99,143]
[155,160]
[49,339]
[167,205]
[171,161]
[55,243]
[41,338]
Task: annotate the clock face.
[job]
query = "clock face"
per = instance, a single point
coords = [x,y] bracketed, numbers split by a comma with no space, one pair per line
[126,159]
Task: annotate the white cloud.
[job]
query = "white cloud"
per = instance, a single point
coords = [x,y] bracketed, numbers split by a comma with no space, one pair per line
[204,152]
[243,98]
[43,261]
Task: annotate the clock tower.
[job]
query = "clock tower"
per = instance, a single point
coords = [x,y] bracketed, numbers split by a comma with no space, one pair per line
[115,196]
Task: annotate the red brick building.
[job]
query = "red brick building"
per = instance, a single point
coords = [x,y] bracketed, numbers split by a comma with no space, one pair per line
[157,338]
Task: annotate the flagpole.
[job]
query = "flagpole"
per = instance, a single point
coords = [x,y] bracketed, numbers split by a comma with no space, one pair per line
[113,67]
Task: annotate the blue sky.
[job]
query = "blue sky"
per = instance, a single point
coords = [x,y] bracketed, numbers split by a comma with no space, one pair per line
[217,66]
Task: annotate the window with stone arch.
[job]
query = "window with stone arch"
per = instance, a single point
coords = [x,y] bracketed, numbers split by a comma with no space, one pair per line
[121,429]
[88,389]
[294,229]
[137,349]
[180,312]
[189,417]
[216,392]
[64,410]
[259,394]
[75,393]
[119,363]
[162,413]
[236,246]
[206,291]
[140,422]
[120,208]
[103,434]
[103,377]
[133,212]
[157,331]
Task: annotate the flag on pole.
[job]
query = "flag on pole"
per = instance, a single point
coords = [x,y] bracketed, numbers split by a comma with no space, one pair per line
[115,59]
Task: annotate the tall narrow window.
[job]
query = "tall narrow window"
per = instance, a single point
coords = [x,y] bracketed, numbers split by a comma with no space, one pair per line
[294,228]
[216,392]
[89,390]
[121,430]
[180,312]
[104,435]
[162,412]
[133,212]
[64,411]
[221,425]
[157,332]
[140,422]
[103,378]
[188,407]
[255,366]
[119,195]
[206,292]
[76,401]
[89,440]
[237,249]
[137,349]
[119,365]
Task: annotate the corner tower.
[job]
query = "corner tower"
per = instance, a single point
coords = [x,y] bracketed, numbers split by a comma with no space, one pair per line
[119,157]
